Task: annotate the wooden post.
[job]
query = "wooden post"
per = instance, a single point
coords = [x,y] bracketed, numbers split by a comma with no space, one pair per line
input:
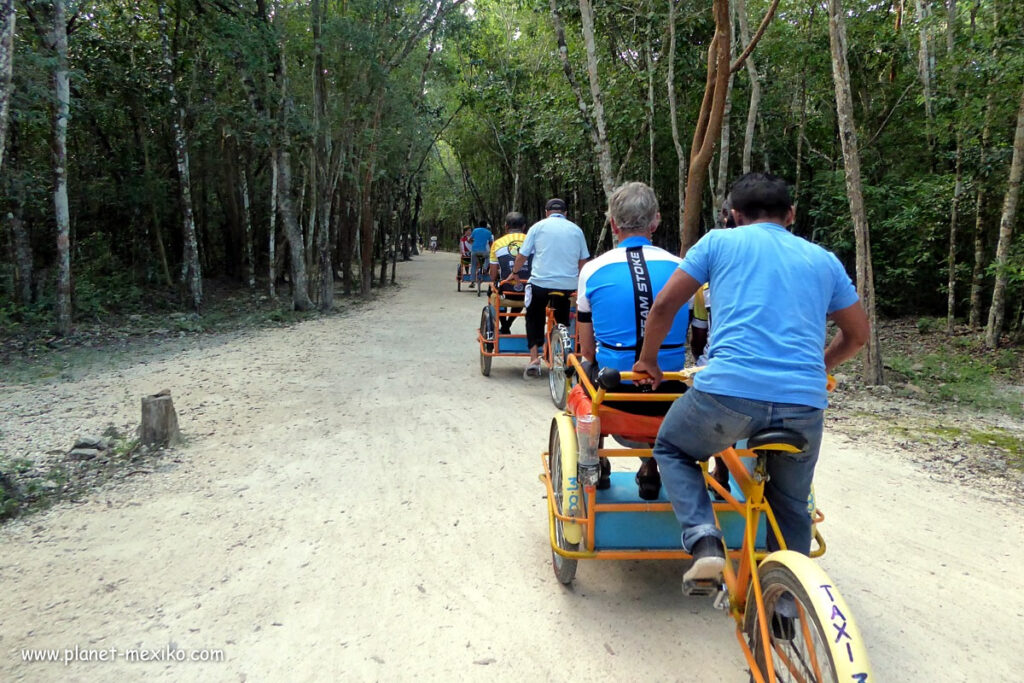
[159,421]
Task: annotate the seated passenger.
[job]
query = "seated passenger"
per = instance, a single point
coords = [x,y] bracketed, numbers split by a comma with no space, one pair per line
[503,257]
[615,293]
[465,249]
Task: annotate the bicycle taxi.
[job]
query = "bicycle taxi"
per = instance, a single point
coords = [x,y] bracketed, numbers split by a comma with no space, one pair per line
[561,340]
[791,622]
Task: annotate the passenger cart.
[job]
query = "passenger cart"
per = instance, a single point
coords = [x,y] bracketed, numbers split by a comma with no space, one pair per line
[791,622]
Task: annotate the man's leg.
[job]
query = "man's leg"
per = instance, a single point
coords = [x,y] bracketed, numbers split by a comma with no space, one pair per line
[536,315]
[790,476]
[560,307]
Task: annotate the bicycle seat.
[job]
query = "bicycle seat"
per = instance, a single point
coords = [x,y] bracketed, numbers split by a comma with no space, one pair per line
[769,439]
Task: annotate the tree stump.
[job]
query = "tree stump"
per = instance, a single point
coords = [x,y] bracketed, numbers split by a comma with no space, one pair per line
[159,421]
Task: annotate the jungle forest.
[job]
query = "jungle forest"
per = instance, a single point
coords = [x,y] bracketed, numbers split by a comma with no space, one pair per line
[303,148]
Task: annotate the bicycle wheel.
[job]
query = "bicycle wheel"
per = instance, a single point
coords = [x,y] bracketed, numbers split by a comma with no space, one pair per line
[811,632]
[458,278]
[487,332]
[558,383]
[565,568]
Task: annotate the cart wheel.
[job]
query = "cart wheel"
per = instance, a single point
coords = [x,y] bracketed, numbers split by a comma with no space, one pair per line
[558,383]
[486,331]
[799,645]
[565,569]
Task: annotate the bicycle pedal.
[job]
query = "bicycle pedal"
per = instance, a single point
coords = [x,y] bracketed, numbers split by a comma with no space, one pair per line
[722,599]
[699,588]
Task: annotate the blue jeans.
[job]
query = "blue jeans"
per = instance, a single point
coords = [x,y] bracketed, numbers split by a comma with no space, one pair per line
[700,424]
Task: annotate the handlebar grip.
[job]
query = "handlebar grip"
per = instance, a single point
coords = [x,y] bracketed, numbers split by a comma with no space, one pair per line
[609,378]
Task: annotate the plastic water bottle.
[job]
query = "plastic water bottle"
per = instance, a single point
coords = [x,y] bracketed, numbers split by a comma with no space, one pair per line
[588,437]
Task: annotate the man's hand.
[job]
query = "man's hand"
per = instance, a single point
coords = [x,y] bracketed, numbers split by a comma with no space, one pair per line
[649,368]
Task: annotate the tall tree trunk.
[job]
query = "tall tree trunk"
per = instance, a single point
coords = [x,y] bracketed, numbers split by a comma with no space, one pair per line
[1006,220]
[954,216]
[272,230]
[57,42]
[366,218]
[670,79]
[650,107]
[250,260]
[954,212]
[22,251]
[289,219]
[755,87]
[980,202]
[719,187]
[604,158]
[924,69]
[323,186]
[191,273]
[709,123]
[872,372]
[7,24]
[292,231]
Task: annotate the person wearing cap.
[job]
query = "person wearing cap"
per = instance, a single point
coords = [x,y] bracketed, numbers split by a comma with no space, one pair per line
[559,250]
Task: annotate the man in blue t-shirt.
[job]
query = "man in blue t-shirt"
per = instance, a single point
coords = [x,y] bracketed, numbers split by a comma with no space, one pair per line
[767,362]
[481,238]
[559,250]
[615,294]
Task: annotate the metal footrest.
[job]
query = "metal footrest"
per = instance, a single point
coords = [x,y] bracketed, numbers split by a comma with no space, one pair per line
[702,587]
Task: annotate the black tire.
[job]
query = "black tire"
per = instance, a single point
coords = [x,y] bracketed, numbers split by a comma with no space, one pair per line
[558,384]
[486,327]
[565,569]
[458,278]
[805,661]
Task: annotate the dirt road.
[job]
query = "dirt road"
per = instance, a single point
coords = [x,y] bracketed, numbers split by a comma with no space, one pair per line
[356,502]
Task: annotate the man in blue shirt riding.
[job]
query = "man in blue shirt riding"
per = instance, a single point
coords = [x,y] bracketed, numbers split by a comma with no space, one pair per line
[481,238]
[559,250]
[767,362]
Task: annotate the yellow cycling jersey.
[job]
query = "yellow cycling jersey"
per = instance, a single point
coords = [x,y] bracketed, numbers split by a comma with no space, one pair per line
[700,309]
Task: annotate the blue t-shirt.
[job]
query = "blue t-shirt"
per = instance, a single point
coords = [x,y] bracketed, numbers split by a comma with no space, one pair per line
[482,238]
[607,290]
[557,246]
[773,291]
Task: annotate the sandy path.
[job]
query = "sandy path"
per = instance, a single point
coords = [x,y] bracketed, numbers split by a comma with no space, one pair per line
[358,503]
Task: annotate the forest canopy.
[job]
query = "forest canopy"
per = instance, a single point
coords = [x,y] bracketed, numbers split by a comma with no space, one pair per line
[306,146]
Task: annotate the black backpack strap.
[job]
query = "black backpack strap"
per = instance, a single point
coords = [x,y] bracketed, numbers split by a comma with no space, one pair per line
[643,293]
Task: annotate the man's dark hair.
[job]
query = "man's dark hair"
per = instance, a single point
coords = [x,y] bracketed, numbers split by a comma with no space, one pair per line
[515,221]
[760,195]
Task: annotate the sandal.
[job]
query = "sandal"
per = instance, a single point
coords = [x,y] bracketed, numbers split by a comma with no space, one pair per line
[532,370]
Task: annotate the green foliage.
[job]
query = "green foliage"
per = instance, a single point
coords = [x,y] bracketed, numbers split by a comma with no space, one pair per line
[966,378]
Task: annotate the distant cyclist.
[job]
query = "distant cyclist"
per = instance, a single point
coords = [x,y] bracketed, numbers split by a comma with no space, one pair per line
[481,249]
[433,244]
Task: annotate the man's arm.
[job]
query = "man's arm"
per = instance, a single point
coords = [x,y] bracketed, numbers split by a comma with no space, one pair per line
[520,262]
[854,329]
[676,292]
[494,272]
[579,265]
[588,347]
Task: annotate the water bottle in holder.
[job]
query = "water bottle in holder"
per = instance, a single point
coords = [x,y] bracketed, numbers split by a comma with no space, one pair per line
[588,437]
